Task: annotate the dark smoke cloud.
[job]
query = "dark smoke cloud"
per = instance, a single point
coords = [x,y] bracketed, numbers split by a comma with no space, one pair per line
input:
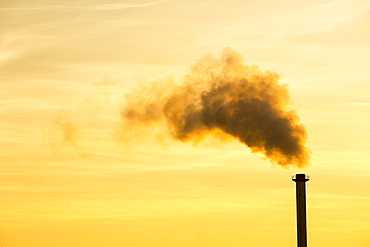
[223,94]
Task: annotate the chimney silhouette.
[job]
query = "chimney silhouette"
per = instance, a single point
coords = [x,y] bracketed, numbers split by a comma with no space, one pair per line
[300,180]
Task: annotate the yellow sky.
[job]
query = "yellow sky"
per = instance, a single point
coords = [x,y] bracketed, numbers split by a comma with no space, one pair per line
[67,65]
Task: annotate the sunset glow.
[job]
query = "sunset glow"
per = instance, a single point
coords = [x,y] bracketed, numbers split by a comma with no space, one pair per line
[85,160]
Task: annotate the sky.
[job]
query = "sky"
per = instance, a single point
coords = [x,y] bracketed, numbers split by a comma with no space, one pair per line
[68,178]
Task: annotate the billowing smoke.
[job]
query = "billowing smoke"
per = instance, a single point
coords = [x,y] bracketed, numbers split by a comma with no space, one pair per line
[225,95]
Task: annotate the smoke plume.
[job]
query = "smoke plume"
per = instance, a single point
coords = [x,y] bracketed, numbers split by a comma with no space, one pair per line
[224,95]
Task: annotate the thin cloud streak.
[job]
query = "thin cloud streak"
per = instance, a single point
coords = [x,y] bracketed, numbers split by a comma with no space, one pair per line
[110,6]
[116,6]
[356,104]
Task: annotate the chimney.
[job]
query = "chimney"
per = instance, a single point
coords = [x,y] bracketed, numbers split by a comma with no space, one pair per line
[300,180]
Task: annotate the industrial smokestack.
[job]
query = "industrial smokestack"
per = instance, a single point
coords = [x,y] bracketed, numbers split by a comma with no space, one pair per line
[301,180]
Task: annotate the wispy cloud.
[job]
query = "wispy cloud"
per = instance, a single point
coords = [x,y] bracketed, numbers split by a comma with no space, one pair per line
[6,55]
[116,6]
[93,7]
[356,104]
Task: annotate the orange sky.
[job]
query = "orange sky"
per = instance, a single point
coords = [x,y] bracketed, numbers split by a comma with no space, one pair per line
[66,66]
